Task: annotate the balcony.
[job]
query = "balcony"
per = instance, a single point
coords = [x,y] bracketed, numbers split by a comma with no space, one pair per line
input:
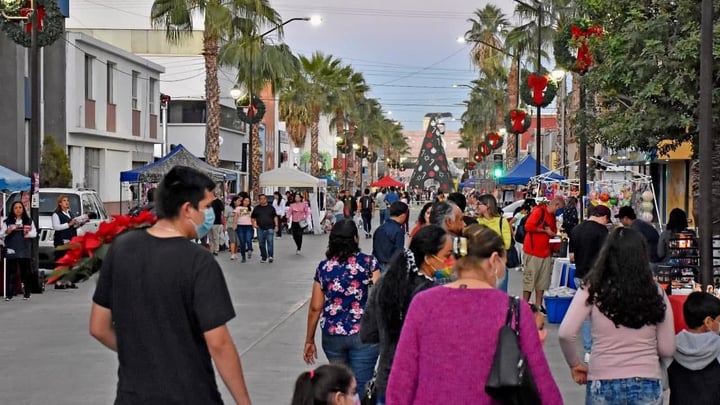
[153,126]
[136,122]
[111,117]
[89,114]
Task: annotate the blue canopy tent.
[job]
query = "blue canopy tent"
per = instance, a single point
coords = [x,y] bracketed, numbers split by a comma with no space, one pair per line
[470,182]
[179,156]
[12,181]
[523,171]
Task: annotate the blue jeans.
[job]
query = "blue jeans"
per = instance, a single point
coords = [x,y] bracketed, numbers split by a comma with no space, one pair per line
[383,213]
[626,391]
[349,350]
[266,240]
[245,235]
[586,334]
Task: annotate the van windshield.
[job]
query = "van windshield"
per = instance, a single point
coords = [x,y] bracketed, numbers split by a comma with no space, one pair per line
[48,202]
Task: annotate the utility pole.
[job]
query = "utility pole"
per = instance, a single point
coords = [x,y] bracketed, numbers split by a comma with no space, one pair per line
[35,126]
[706,143]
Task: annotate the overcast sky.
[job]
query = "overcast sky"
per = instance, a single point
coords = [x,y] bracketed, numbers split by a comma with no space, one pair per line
[406,49]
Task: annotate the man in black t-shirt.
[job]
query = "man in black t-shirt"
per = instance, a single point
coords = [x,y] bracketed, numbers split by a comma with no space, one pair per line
[367,209]
[586,240]
[162,304]
[266,224]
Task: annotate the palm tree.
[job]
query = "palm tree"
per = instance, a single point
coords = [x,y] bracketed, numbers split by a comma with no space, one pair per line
[320,72]
[222,19]
[259,63]
[487,31]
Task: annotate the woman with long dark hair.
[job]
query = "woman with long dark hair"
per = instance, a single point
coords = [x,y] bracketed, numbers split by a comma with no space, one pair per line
[677,223]
[244,227]
[450,334]
[490,215]
[339,294]
[632,325]
[298,213]
[19,231]
[331,384]
[409,272]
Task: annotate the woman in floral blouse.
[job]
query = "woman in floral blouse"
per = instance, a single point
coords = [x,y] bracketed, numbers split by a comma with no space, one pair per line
[339,295]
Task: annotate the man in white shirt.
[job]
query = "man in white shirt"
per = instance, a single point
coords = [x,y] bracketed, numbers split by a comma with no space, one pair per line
[381,205]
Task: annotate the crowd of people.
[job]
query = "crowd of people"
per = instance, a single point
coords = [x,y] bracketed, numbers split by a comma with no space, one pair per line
[390,319]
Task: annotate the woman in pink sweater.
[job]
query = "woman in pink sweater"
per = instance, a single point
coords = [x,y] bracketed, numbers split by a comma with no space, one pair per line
[631,325]
[450,334]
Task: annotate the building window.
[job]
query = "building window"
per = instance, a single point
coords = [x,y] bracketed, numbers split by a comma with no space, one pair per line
[187,112]
[92,168]
[111,83]
[152,101]
[135,84]
[89,77]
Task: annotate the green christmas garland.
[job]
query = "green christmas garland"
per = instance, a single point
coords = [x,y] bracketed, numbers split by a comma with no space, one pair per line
[52,26]
[548,95]
[527,120]
[259,107]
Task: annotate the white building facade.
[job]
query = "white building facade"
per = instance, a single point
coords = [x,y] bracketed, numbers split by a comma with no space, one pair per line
[113,109]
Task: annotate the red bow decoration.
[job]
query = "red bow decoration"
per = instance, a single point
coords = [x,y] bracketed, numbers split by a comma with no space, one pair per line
[584,58]
[27,11]
[517,117]
[538,85]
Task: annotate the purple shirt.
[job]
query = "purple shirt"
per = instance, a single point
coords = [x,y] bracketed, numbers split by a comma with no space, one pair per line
[345,285]
[447,347]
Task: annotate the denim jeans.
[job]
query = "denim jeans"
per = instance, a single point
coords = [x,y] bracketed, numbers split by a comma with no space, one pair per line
[626,391]
[367,221]
[266,240]
[351,351]
[586,334]
[245,235]
[382,215]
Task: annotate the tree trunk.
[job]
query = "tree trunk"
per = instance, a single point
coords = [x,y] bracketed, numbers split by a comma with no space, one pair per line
[513,89]
[255,161]
[340,128]
[212,100]
[314,135]
[510,151]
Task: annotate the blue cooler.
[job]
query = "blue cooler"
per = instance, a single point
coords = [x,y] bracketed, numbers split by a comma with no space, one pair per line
[556,308]
[570,280]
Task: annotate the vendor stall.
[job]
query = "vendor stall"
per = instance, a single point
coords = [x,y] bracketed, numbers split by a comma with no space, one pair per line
[294,178]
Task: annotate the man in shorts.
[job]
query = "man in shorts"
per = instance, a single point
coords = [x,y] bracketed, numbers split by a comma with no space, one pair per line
[540,227]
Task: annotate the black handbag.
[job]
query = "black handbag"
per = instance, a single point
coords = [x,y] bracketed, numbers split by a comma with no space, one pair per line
[369,393]
[510,381]
[513,259]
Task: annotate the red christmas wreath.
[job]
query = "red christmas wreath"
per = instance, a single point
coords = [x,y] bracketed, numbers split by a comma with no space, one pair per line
[517,121]
[575,35]
[538,90]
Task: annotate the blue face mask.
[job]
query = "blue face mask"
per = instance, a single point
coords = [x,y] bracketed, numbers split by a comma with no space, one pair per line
[205,227]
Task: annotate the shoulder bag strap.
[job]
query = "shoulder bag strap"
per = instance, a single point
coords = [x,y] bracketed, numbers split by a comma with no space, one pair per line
[516,310]
[510,311]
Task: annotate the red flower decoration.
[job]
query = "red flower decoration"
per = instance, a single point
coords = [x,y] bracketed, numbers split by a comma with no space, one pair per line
[584,58]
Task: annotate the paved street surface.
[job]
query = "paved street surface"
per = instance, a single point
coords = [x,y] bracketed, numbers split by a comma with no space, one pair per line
[48,357]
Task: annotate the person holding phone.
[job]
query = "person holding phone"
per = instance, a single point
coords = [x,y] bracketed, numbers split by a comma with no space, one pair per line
[65,224]
[19,231]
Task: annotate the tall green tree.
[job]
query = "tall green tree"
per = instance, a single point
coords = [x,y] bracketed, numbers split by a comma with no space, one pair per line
[320,71]
[647,78]
[222,18]
[259,63]
[54,165]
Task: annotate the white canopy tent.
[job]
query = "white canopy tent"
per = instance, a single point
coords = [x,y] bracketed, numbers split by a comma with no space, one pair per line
[294,178]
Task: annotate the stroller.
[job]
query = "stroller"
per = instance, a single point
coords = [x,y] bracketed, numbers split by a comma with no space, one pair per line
[327,223]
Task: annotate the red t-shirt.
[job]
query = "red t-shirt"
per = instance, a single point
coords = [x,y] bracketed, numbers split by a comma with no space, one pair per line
[537,242]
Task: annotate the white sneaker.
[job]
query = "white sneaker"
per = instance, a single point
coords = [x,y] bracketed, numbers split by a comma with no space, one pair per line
[586,359]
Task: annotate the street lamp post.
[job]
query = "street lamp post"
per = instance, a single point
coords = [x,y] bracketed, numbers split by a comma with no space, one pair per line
[539,11]
[236,93]
[706,143]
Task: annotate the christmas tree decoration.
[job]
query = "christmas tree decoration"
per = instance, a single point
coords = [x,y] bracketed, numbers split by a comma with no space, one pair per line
[538,90]
[431,171]
[50,22]
[574,36]
[255,110]
[517,121]
[495,140]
